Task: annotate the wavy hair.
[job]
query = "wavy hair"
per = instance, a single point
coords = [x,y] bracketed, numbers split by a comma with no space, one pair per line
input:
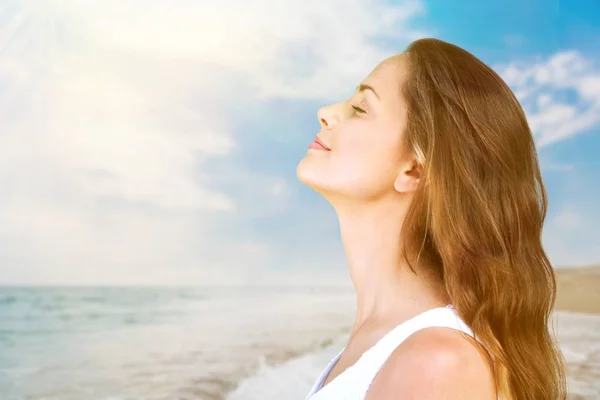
[478,213]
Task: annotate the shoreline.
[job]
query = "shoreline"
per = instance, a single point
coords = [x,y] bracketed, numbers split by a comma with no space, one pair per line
[293,377]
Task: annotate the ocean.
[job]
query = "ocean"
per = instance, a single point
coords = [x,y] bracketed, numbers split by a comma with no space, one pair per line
[225,343]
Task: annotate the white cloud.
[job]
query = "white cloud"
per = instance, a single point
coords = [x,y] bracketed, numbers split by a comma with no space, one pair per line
[561,97]
[543,88]
[111,111]
[570,235]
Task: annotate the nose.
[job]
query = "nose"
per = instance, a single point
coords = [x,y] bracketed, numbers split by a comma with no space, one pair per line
[325,116]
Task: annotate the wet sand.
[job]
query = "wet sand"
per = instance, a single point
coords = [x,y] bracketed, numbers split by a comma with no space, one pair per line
[578,289]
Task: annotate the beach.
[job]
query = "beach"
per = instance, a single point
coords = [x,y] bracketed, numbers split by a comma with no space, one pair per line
[578,289]
[579,337]
[160,343]
[576,319]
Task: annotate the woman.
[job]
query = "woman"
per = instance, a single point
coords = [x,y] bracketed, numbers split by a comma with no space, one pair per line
[432,170]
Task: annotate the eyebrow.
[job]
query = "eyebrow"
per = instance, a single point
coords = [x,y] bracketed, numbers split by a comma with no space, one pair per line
[362,87]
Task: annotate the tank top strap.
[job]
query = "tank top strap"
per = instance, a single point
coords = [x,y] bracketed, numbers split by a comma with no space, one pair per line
[437,317]
[355,381]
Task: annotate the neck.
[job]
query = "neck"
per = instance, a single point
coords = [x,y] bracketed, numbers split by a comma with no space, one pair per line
[387,290]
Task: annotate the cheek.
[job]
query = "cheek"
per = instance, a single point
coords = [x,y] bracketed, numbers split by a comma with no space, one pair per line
[364,162]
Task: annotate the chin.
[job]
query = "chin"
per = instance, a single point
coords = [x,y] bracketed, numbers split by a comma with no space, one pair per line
[316,173]
[306,172]
[311,174]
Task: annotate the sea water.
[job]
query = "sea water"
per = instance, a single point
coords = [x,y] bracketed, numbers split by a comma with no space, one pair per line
[234,343]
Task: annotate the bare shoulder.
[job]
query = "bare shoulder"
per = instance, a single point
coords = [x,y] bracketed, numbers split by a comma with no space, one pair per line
[435,363]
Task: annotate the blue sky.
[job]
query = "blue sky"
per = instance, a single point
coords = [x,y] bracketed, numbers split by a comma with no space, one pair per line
[152,143]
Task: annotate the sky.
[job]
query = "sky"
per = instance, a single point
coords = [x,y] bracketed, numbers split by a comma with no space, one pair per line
[145,142]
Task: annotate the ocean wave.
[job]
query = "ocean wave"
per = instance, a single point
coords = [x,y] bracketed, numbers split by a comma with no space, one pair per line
[579,337]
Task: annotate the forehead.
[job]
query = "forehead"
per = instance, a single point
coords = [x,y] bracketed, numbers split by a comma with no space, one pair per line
[387,77]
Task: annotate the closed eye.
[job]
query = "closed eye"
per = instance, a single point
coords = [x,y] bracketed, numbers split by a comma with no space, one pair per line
[360,110]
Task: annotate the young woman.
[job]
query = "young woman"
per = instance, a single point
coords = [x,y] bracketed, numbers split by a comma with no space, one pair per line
[432,170]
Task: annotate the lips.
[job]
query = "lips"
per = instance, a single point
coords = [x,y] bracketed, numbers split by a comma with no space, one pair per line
[318,141]
[316,146]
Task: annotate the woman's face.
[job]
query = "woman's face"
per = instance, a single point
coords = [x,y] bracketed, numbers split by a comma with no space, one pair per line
[365,136]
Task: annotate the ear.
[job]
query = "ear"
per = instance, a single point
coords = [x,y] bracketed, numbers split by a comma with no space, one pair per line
[409,177]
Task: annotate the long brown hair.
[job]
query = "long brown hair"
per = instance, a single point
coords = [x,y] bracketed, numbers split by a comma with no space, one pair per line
[479,211]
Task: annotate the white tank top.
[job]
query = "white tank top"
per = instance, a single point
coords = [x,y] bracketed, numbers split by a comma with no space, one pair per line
[353,383]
